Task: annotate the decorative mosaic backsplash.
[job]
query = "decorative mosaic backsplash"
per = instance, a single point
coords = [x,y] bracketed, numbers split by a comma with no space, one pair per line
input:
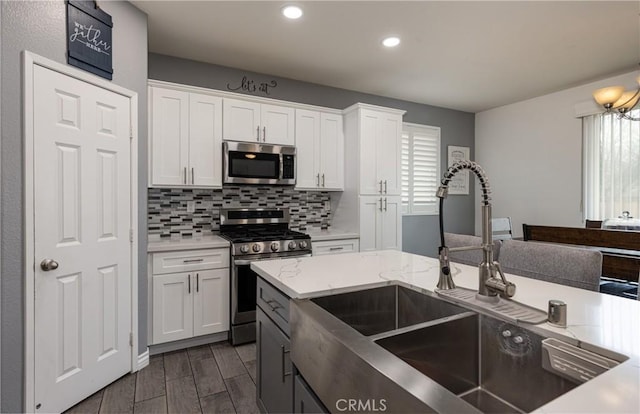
[168,208]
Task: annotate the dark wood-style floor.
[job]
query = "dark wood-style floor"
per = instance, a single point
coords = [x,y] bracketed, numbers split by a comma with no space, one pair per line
[216,378]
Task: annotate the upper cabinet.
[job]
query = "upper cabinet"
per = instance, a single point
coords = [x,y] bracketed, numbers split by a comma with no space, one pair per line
[320,151]
[255,122]
[380,157]
[186,138]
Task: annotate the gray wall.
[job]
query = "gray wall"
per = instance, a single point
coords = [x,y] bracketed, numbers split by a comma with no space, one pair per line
[420,233]
[40,28]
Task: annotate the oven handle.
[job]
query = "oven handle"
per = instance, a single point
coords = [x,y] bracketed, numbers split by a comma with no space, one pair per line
[244,262]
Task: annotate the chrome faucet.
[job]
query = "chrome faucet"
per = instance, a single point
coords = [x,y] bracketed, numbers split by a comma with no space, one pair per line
[492,281]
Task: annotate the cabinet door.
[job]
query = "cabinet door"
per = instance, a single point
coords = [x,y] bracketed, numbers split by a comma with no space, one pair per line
[391,224]
[274,367]
[277,125]
[169,136]
[370,215]
[172,307]
[241,120]
[211,301]
[307,149]
[388,161]
[305,401]
[205,140]
[369,132]
[331,152]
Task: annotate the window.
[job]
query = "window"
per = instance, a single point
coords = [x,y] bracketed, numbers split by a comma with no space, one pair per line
[420,169]
[611,162]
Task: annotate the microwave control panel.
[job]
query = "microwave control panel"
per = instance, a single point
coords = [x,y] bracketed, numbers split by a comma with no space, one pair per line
[288,167]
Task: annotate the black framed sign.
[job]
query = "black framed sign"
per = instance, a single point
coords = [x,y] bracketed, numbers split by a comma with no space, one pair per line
[89,44]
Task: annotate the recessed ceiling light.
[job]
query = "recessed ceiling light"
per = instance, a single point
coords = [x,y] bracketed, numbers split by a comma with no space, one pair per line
[391,41]
[292,12]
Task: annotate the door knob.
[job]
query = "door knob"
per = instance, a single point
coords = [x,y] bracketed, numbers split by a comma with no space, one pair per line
[48,264]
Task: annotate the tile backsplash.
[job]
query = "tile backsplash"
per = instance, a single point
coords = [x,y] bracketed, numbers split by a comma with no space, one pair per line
[169,210]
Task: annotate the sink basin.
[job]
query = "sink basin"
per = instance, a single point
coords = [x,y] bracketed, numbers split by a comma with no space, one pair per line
[480,359]
[414,352]
[378,310]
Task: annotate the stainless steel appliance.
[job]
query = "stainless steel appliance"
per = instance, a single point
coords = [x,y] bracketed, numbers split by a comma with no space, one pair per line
[255,234]
[247,163]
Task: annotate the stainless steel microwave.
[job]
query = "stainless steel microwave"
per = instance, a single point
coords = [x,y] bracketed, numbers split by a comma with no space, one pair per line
[247,163]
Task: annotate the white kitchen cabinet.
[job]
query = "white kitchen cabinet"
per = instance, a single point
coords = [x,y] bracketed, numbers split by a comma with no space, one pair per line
[325,247]
[186,138]
[380,156]
[194,299]
[255,122]
[320,151]
[380,223]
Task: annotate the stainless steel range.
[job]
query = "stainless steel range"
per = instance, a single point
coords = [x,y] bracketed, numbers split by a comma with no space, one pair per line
[255,234]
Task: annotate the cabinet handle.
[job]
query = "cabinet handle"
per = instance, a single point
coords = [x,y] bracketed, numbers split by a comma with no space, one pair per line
[193,260]
[380,203]
[385,204]
[380,187]
[284,374]
[318,180]
[264,134]
[193,175]
[273,308]
[185,175]
[189,284]
[323,180]
[385,186]
[197,282]
[258,132]
[336,248]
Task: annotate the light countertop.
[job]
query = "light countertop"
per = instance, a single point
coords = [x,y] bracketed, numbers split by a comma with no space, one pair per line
[331,234]
[606,321]
[186,243]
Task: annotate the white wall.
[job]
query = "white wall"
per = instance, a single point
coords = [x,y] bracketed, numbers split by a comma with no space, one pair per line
[532,153]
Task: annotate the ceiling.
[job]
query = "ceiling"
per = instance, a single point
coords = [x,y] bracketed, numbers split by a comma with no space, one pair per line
[469,56]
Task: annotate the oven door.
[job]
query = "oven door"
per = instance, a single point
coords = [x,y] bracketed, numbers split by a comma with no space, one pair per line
[243,288]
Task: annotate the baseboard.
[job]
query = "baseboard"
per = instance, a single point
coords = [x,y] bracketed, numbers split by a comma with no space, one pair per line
[188,343]
[143,360]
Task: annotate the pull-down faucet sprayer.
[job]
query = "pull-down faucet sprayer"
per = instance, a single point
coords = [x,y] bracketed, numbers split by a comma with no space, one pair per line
[492,281]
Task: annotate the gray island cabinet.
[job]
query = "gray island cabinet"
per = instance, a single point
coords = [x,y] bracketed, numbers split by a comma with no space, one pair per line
[280,389]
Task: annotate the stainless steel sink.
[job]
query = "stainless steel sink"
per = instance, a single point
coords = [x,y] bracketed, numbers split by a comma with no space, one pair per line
[493,365]
[378,310]
[413,352]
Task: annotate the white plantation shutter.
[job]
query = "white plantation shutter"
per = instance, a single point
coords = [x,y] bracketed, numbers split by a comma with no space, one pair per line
[420,169]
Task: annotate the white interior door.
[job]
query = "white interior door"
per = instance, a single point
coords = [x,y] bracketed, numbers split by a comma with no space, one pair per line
[82,219]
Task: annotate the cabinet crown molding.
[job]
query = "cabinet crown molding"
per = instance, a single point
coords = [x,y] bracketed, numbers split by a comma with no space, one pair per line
[361,105]
[235,95]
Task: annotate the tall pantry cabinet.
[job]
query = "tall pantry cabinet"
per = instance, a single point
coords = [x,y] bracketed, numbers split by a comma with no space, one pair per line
[373,137]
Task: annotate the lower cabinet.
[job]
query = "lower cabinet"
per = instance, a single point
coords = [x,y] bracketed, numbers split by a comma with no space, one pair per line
[189,304]
[274,369]
[305,400]
[321,248]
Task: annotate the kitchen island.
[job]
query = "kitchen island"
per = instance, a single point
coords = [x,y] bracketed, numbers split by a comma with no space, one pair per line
[605,321]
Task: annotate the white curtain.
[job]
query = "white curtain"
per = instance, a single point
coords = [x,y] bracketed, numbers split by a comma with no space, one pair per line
[611,166]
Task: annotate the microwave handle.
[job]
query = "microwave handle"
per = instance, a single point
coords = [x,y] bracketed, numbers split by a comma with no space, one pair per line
[281,158]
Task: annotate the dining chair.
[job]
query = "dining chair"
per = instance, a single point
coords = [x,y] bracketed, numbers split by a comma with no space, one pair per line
[468,257]
[501,228]
[565,265]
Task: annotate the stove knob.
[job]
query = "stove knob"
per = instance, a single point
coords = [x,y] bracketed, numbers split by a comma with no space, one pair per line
[302,244]
[275,246]
[244,248]
[292,245]
[256,248]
